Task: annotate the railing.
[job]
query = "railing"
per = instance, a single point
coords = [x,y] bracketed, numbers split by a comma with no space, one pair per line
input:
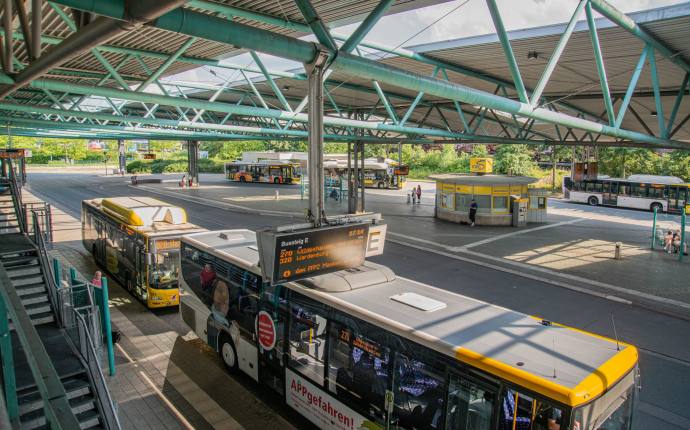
[82,335]
[45,219]
[16,198]
[79,316]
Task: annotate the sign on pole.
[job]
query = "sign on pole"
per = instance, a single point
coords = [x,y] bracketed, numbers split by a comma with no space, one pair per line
[302,254]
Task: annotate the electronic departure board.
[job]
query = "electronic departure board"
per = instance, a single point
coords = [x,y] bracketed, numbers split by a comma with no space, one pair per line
[303,254]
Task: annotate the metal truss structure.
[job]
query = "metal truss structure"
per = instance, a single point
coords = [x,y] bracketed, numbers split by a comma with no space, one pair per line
[101,69]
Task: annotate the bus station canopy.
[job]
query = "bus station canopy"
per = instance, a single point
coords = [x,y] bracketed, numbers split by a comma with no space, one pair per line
[103,69]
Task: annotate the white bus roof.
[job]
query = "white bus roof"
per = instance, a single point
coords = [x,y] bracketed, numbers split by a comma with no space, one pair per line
[565,364]
[655,179]
[146,215]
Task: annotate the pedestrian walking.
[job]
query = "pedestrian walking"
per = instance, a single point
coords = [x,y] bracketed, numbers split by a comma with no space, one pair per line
[473,211]
[97,279]
[419,194]
[414,196]
[183,182]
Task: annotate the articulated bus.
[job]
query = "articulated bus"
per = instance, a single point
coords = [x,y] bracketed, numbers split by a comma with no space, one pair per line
[275,172]
[648,192]
[385,174]
[364,349]
[137,241]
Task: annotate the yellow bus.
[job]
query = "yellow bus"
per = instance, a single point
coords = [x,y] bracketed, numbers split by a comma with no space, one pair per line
[275,172]
[382,174]
[364,348]
[137,240]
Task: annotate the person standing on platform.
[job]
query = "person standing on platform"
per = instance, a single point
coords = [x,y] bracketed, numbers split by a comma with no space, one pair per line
[419,194]
[473,211]
[414,196]
[97,279]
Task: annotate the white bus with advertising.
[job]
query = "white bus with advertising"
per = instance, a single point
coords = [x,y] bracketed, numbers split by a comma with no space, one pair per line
[647,192]
[363,348]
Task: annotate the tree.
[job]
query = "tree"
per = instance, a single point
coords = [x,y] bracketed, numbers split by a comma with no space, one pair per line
[513,160]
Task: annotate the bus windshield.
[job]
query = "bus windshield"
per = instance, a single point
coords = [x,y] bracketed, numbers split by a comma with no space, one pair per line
[164,271]
[612,411]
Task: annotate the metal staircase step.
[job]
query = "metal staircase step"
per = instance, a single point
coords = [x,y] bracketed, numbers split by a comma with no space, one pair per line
[32,299]
[23,272]
[43,318]
[89,419]
[19,260]
[28,289]
[37,309]
[32,279]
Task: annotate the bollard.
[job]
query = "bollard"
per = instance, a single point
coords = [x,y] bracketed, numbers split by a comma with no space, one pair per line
[277,195]
[408,199]
[617,253]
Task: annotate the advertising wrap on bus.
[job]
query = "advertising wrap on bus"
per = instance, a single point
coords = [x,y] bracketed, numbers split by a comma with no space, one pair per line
[320,408]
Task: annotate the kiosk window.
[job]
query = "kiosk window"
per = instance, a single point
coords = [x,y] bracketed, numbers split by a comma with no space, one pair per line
[484,203]
[470,406]
[500,204]
[308,341]
[462,202]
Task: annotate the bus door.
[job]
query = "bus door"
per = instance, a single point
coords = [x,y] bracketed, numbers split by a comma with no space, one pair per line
[610,194]
[677,197]
[472,403]
[270,336]
[243,310]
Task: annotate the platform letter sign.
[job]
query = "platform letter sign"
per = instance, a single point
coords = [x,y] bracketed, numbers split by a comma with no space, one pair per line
[306,253]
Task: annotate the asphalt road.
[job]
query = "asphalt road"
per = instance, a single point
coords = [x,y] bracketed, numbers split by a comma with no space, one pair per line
[664,401]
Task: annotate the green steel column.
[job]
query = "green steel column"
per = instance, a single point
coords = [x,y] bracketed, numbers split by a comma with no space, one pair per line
[57,272]
[163,67]
[603,81]
[657,93]
[8,376]
[551,65]
[107,328]
[654,227]
[631,88]
[366,25]
[384,100]
[271,82]
[317,25]
[681,250]
[507,50]
[676,104]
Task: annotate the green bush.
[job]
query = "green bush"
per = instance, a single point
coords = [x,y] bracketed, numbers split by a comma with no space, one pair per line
[206,165]
[139,166]
[175,167]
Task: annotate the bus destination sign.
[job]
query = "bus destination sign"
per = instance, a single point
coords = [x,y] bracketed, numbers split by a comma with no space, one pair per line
[307,253]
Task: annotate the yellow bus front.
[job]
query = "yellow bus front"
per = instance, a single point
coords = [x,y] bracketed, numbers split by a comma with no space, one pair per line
[162,286]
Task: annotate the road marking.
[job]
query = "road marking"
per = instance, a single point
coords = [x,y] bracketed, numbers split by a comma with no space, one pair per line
[515,233]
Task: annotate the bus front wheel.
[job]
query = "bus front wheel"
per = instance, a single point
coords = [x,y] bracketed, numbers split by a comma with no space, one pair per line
[593,201]
[228,353]
[658,206]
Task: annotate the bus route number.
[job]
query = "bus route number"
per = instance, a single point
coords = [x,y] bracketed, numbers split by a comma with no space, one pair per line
[286,256]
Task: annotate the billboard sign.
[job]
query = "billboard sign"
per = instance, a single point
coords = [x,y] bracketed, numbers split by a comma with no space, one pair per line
[320,408]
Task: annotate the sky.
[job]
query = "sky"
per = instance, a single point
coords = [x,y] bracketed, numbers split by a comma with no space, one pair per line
[461,18]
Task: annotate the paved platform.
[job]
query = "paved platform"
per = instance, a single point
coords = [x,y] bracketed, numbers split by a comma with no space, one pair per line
[574,248]
[166,378]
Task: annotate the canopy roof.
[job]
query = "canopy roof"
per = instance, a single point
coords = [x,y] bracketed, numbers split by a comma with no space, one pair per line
[111,82]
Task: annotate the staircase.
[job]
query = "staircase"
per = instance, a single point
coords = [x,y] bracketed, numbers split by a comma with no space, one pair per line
[81,400]
[26,275]
[8,218]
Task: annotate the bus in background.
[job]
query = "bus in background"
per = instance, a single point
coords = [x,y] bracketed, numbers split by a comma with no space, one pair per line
[378,173]
[647,192]
[137,240]
[364,349]
[276,172]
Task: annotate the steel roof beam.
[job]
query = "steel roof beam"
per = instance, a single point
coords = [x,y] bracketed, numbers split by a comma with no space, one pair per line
[627,23]
[365,27]
[95,33]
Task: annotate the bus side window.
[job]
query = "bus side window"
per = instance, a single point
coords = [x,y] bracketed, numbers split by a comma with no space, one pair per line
[308,338]
[358,369]
[470,406]
[419,392]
